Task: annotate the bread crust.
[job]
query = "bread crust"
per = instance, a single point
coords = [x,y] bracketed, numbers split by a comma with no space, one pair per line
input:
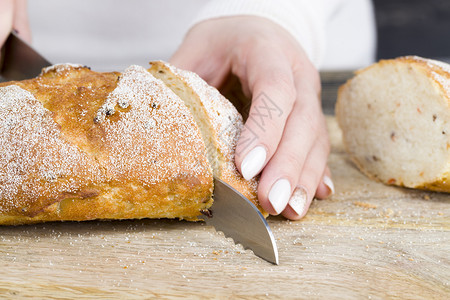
[223,125]
[438,74]
[68,156]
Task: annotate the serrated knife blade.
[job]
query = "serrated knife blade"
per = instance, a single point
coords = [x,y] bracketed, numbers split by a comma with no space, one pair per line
[240,219]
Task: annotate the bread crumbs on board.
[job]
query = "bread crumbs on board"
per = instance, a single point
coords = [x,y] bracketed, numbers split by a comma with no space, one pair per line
[364,204]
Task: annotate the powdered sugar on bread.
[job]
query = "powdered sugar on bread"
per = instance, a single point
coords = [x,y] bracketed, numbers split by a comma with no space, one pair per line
[32,150]
[157,114]
[60,68]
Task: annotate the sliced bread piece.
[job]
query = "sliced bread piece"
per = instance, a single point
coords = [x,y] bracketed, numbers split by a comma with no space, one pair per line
[219,122]
[395,118]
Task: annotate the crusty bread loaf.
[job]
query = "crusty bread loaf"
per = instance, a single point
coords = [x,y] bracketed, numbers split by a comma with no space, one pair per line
[395,118]
[81,145]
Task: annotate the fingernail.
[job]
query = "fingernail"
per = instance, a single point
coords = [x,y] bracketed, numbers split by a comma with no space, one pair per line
[329,183]
[298,200]
[253,162]
[279,195]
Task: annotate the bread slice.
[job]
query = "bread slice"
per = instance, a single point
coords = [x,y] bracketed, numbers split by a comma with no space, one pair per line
[219,122]
[81,145]
[395,118]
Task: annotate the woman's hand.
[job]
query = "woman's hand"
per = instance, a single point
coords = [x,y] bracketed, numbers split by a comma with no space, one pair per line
[13,16]
[285,136]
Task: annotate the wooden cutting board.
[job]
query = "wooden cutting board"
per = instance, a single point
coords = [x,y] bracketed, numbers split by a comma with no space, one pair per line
[368,241]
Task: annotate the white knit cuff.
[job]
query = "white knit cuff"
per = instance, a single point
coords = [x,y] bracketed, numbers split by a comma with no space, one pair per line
[304,19]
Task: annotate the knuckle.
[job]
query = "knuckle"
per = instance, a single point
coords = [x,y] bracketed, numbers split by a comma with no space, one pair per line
[312,123]
[294,160]
[278,85]
[267,118]
[283,84]
[323,141]
[324,147]
[306,69]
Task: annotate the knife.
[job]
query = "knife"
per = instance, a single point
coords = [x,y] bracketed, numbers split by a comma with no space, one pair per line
[19,60]
[231,212]
[240,219]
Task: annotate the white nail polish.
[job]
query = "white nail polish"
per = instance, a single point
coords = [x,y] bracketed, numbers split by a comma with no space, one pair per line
[253,162]
[298,200]
[279,195]
[329,183]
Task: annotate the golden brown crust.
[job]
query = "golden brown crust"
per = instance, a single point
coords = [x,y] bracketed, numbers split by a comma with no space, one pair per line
[438,71]
[143,160]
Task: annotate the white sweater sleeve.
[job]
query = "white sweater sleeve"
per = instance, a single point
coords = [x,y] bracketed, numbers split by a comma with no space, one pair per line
[304,19]
[307,20]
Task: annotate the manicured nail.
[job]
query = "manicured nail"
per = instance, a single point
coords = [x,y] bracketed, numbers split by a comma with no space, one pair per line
[253,162]
[298,200]
[279,195]
[329,183]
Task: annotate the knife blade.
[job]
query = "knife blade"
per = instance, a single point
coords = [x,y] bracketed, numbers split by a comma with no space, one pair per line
[19,60]
[240,219]
[232,213]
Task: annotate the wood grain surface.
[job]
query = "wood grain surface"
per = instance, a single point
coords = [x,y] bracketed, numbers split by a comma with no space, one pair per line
[367,241]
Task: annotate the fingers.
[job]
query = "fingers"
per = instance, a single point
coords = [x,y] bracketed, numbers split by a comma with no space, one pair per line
[300,160]
[297,169]
[326,186]
[6,19]
[310,178]
[271,82]
[285,134]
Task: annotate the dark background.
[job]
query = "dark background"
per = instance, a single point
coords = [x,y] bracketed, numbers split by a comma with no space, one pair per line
[404,27]
[419,27]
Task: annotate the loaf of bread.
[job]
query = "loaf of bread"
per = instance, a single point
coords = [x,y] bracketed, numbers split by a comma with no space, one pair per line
[395,119]
[81,145]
